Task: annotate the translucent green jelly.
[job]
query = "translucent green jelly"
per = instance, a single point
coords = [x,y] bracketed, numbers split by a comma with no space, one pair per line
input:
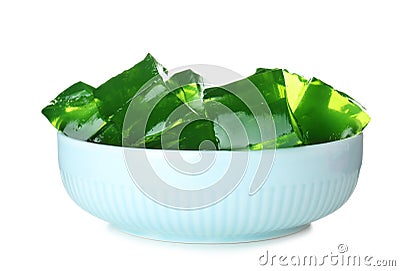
[144,107]
[75,113]
[322,113]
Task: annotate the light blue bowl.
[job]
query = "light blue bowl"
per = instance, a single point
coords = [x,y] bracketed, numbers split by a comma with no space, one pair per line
[304,184]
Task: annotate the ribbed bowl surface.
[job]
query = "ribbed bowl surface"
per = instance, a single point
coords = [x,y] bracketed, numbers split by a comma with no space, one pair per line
[304,184]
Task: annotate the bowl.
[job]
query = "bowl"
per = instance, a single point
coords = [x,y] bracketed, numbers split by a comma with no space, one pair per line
[304,184]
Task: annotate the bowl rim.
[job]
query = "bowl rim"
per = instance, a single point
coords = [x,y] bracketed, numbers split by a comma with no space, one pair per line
[302,147]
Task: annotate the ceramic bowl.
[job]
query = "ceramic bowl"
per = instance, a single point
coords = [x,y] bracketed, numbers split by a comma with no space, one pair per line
[304,184]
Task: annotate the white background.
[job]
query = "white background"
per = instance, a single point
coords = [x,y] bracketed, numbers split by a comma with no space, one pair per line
[48,45]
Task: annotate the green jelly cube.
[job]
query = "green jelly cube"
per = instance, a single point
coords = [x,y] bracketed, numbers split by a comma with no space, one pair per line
[168,115]
[241,98]
[148,113]
[188,86]
[119,90]
[114,96]
[74,112]
[322,113]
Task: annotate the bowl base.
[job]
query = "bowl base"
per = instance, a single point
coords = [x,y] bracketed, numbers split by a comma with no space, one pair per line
[213,239]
